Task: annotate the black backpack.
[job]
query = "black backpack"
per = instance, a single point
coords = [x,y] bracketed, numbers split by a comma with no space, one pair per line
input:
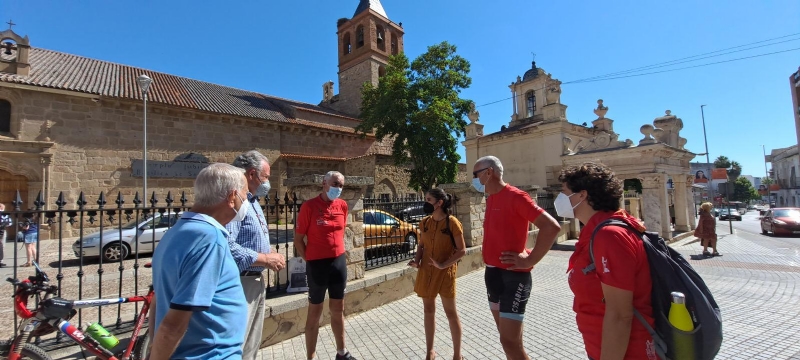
[671,272]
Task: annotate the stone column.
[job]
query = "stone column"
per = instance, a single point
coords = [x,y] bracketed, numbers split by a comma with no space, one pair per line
[690,195]
[634,204]
[310,186]
[469,210]
[654,203]
[681,203]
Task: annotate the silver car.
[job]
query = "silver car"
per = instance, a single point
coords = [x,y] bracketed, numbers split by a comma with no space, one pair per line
[149,231]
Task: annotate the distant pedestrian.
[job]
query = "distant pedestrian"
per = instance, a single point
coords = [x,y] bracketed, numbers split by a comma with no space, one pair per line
[250,247]
[5,221]
[606,297]
[707,230]
[200,305]
[319,239]
[30,234]
[509,212]
[441,246]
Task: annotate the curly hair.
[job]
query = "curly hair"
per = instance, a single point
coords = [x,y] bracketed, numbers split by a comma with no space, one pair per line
[706,206]
[602,186]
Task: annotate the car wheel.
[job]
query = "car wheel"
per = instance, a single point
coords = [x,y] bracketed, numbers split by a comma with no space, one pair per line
[410,243]
[763,231]
[113,252]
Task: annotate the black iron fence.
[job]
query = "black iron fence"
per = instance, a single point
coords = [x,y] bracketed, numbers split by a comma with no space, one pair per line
[391,231]
[98,250]
[546,201]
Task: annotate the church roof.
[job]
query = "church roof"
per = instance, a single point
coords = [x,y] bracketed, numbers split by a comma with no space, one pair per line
[57,70]
[375,5]
[532,73]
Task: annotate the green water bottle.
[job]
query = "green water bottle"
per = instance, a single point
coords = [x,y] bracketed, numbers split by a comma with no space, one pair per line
[102,336]
[680,319]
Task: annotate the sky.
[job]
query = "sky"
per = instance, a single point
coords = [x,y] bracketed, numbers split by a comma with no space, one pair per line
[289,49]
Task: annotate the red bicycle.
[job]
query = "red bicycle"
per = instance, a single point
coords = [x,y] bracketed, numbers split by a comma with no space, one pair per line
[53,314]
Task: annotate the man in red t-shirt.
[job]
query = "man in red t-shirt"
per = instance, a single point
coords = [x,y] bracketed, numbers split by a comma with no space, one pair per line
[319,239]
[509,211]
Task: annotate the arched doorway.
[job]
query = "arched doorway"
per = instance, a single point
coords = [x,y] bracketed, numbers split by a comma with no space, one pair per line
[9,184]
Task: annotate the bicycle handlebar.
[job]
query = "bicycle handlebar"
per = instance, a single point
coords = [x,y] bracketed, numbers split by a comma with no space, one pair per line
[31,287]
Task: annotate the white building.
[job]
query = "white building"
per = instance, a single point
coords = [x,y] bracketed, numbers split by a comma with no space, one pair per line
[785,164]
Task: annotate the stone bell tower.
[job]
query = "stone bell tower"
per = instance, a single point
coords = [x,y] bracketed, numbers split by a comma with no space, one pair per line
[365,43]
[536,97]
[14,52]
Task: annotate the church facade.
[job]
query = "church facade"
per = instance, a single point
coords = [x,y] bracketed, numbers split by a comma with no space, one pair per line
[73,124]
[539,141]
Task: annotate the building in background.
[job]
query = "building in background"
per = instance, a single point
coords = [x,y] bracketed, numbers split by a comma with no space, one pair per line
[794,85]
[785,165]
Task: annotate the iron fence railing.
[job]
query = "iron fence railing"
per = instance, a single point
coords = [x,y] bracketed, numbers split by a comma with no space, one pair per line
[98,250]
[391,231]
[546,201]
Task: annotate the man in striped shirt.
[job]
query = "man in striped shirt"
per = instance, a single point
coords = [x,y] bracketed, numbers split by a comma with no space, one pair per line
[249,243]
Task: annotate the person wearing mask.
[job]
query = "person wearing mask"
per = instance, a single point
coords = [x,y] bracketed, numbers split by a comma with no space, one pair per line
[199,301]
[606,297]
[441,247]
[250,247]
[509,212]
[707,230]
[319,240]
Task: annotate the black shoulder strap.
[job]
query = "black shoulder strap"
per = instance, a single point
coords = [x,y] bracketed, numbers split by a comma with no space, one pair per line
[591,267]
[452,239]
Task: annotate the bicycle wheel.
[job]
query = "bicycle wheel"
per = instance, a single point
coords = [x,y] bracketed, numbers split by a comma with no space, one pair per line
[29,351]
[142,349]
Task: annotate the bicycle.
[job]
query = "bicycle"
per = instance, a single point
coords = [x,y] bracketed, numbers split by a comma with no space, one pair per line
[53,314]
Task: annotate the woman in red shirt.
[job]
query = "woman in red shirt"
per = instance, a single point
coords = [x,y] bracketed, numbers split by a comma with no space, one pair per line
[605,298]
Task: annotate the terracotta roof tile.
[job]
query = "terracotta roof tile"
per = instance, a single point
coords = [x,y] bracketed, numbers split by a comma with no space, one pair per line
[63,71]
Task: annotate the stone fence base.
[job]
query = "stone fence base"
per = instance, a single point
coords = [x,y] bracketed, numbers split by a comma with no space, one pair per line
[287,314]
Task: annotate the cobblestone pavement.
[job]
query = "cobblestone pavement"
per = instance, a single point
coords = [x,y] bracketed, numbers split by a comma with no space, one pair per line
[756,282]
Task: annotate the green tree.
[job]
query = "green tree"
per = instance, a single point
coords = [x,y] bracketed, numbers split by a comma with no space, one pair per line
[418,106]
[744,191]
[733,168]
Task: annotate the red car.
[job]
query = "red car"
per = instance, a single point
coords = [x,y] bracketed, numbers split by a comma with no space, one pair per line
[784,221]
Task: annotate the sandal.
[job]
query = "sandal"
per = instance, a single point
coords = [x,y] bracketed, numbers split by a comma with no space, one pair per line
[706,254]
[716,254]
[26,265]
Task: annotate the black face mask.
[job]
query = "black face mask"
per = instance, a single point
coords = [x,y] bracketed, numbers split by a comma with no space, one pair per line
[427,208]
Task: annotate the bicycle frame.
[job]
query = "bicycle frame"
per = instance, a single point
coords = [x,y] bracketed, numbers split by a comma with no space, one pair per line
[32,319]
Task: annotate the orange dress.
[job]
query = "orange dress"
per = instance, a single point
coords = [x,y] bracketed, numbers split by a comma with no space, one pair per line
[438,246]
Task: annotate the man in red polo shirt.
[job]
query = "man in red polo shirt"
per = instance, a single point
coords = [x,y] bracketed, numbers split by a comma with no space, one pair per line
[319,239]
[505,229]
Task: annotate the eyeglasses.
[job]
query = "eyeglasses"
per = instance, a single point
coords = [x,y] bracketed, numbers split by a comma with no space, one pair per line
[475,173]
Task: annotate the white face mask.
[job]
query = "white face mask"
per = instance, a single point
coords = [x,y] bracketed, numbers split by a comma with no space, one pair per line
[334,193]
[563,207]
[242,212]
[476,183]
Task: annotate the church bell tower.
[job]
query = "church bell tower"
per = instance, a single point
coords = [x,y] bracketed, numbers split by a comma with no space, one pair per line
[365,43]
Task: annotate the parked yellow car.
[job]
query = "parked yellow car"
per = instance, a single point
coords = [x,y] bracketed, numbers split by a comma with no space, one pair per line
[383,229]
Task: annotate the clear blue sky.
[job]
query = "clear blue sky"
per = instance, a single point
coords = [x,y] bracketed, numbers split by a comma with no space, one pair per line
[288,49]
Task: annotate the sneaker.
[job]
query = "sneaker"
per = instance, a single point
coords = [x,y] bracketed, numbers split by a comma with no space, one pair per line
[2,265]
[345,357]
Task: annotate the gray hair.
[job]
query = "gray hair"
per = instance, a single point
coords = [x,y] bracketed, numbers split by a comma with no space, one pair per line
[331,174]
[492,162]
[215,182]
[250,160]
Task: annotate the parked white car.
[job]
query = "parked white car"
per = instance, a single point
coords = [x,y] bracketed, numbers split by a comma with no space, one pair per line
[149,231]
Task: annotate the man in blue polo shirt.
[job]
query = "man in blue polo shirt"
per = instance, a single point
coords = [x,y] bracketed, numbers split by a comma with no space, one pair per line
[200,303]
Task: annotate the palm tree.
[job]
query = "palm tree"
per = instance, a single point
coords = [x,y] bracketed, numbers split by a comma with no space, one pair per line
[733,168]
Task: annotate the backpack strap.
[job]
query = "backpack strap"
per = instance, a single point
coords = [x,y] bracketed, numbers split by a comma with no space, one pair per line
[452,239]
[591,267]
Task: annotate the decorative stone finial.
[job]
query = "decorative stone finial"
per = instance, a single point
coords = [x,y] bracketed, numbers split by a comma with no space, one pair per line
[601,110]
[647,130]
[473,115]
[668,112]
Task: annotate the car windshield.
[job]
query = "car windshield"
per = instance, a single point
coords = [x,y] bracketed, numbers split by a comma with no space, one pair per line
[133,224]
[792,213]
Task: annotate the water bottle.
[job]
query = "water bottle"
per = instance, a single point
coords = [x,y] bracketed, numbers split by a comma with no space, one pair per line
[102,336]
[679,318]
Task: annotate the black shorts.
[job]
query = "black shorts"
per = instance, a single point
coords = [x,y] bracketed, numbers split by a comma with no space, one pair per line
[326,275]
[508,292]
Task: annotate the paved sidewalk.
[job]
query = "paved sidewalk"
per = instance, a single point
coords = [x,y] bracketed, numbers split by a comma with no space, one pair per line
[756,282]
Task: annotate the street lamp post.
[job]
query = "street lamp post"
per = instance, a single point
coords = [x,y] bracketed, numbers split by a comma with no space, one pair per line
[708,161]
[144,83]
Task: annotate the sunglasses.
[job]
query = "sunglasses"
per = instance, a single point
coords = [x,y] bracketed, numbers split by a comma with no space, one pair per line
[475,173]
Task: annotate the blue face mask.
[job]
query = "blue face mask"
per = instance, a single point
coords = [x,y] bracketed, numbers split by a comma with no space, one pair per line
[263,189]
[476,183]
[334,193]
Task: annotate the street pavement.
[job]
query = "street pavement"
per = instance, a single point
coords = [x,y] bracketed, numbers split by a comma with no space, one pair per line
[756,283]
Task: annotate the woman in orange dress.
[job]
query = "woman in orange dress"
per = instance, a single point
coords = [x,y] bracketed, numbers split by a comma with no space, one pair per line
[441,246]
